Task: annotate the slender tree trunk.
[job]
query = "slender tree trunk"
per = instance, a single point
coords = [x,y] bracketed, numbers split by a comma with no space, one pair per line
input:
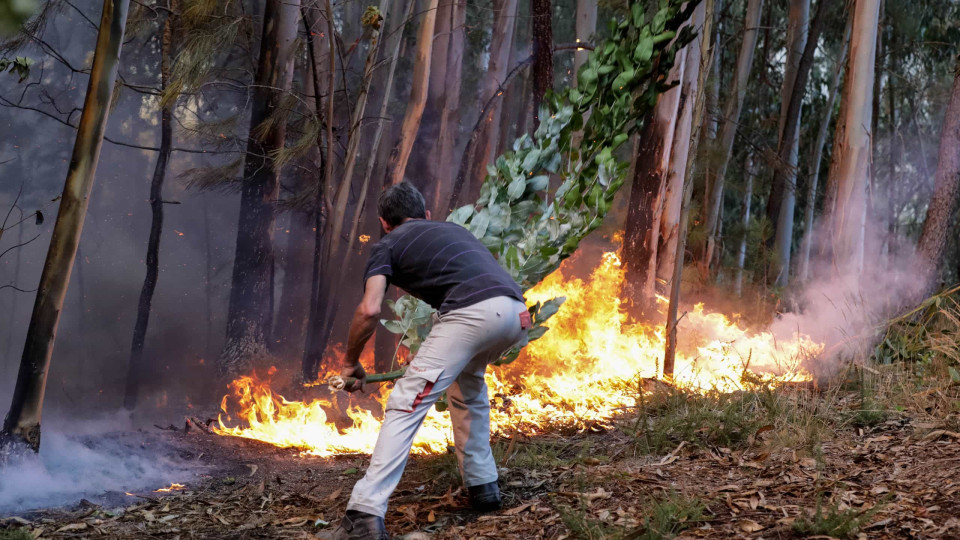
[730,122]
[670,226]
[698,59]
[586,26]
[450,114]
[782,205]
[250,314]
[315,343]
[541,15]
[22,423]
[896,149]
[817,157]
[749,172]
[946,190]
[137,370]
[433,155]
[484,147]
[847,182]
[397,165]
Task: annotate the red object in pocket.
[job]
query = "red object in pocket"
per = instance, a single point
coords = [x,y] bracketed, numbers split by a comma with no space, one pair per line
[423,393]
[525,320]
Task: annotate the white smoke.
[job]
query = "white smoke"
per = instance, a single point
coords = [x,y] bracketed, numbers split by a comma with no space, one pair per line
[93,464]
[845,307]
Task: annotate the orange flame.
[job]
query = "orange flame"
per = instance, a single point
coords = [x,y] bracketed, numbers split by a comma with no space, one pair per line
[584,370]
[173,487]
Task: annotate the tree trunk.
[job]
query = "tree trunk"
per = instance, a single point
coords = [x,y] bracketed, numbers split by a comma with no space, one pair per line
[418,96]
[729,124]
[450,115]
[250,314]
[137,370]
[783,197]
[433,155]
[943,202]
[847,181]
[749,172]
[484,148]
[815,160]
[677,170]
[642,229]
[697,59]
[22,423]
[585,28]
[337,250]
[541,15]
[319,50]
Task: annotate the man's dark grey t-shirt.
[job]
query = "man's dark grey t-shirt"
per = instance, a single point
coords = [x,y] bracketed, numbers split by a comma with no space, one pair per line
[441,263]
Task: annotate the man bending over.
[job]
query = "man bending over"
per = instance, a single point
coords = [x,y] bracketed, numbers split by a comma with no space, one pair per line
[480,314]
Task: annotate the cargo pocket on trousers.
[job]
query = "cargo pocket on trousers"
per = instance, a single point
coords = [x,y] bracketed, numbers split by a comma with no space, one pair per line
[412,388]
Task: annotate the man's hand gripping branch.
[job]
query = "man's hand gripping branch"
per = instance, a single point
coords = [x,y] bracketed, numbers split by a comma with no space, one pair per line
[362,326]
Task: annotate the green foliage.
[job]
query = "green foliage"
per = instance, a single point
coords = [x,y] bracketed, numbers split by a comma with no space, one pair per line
[531,228]
[833,521]
[19,65]
[673,416]
[15,534]
[669,515]
[928,336]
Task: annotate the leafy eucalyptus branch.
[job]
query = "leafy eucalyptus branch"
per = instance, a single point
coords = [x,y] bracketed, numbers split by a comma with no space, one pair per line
[528,226]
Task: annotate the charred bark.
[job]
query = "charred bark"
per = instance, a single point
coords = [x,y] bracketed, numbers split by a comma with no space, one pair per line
[541,16]
[651,164]
[250,314]
[943,202]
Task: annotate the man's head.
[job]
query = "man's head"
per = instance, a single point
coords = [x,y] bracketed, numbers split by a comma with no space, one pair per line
[398,203]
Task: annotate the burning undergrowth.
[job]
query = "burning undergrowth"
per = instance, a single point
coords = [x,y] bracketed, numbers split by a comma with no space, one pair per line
[588,369]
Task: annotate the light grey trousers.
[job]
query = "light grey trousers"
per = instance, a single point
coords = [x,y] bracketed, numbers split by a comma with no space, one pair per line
[452,359]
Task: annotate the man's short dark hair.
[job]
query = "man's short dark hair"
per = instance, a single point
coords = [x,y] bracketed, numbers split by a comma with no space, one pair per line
[399,202]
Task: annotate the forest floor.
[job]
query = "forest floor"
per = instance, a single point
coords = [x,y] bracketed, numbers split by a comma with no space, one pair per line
[840,462]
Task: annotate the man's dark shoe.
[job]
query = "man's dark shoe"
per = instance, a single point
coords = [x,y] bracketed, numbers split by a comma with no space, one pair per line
[357,525]
[485,497]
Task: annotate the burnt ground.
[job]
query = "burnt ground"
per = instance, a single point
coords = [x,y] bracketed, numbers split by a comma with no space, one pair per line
[894,474]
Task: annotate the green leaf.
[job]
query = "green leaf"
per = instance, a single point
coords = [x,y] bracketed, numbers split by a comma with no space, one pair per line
[460,215]
[516,188]
[536,333]
[644,51]
[530,160]
[538,183]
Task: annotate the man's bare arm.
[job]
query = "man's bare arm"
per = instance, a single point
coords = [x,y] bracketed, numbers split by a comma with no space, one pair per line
[362,326]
